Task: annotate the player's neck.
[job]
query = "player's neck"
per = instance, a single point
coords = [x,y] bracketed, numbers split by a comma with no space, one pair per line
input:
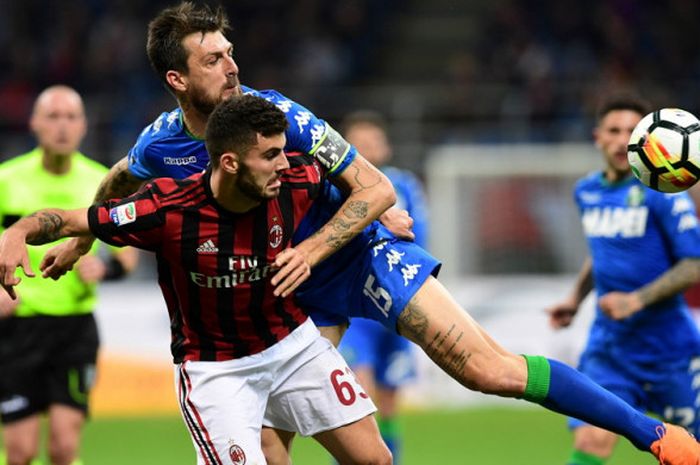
[228,196]
[195,121]
[613,176]
[55,163]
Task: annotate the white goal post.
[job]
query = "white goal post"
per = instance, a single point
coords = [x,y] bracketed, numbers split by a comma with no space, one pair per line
[507,208]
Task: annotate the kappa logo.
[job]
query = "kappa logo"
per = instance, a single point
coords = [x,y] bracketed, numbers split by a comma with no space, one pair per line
[317,133]
[409,272]
[284,105]
[393,257]
[180,161]
[157,125]
[172,117]
[302,118]
[590,197]
[207,247]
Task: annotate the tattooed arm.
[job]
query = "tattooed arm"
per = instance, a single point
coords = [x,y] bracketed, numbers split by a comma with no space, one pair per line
[38,228]
[118,183]
[681,276]
[371,193]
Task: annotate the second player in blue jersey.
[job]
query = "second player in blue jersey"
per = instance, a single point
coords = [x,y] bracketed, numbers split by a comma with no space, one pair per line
[644,251]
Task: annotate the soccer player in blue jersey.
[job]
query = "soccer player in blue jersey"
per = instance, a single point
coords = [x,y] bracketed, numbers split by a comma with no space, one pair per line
[382,359]
[376,275]
[644,251]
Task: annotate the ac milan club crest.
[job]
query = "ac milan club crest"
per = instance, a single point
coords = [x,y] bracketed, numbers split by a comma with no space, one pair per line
[237,455]
[276,234]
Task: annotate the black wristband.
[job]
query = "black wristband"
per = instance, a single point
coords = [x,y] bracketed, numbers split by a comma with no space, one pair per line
[115,270]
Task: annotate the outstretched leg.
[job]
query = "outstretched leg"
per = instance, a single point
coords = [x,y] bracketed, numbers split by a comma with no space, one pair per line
[455,342]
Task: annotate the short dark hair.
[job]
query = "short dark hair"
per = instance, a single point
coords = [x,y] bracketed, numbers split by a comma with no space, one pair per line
[167,30]
[370,117]
[235,123]
[622,100]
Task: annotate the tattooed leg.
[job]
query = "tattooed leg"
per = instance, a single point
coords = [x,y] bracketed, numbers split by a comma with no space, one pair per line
[458,345]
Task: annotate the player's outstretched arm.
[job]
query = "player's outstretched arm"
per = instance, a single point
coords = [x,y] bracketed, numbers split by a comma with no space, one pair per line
[118,183]
[370,195]
[681,276]
[562,314]
[38,228]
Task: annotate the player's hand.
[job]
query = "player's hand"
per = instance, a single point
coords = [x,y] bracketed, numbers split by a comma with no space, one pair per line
[292,270]
[60,259]
[8,305]
[561,315]
[399,222]
[91,269]
[620,305]
[13,254]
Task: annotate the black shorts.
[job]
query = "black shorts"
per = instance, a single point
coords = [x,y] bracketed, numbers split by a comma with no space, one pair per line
[46,360]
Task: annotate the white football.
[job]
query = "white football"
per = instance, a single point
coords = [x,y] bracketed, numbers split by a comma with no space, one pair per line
[664,150]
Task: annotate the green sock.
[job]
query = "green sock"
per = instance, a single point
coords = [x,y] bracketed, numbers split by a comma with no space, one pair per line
[582,458]
[538,376]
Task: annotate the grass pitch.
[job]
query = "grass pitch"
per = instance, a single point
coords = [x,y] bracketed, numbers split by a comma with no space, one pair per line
[488,436]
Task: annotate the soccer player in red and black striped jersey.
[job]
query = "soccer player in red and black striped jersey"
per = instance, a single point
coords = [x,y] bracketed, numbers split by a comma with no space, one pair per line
[219,238]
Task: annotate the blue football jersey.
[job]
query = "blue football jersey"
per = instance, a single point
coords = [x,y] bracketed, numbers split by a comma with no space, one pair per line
[410,197]
[634,235]
[166,149]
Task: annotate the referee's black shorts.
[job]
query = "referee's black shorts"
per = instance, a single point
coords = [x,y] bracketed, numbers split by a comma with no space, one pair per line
[46,360]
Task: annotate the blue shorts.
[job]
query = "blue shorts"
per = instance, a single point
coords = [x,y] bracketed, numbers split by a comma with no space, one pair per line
[368,344]
[667,391]
[374,280]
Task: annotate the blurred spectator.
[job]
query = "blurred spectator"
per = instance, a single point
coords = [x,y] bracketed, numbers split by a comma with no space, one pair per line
[97,47]
[519,75]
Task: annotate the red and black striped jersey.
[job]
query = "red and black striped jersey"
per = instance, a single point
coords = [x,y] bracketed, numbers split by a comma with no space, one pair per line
[213,264]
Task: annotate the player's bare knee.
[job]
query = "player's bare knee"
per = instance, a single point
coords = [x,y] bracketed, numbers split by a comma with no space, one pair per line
[376,456]
[62,452]
[383,457]
[496,375]
[19,456]
[387,458]
[277,458]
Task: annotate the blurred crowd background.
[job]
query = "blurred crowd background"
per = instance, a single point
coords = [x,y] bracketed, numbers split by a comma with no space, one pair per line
[443,70]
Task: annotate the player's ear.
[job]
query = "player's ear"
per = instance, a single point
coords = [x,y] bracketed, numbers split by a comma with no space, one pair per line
[229,162]
[33,122]
[176,80]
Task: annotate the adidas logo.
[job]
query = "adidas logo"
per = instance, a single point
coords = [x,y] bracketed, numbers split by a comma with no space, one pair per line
[208,247]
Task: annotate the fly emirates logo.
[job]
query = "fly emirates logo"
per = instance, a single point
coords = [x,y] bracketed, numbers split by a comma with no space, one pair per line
[615,221]
[243,270]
